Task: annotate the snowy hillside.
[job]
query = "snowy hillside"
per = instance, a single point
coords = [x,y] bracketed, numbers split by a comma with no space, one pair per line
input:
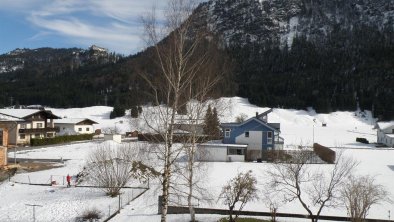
[297,126]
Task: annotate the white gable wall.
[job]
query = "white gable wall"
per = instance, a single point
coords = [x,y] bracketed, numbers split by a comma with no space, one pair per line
[254,141]
[72,129]
[387,139]
[84,129]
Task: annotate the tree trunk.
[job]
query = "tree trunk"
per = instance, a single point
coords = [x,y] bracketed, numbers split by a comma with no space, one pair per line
[190,196]
[165,194]
[231,214]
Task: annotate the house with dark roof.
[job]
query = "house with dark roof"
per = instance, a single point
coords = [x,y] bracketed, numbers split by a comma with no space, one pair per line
[25,124]
[257,133]
[75,126]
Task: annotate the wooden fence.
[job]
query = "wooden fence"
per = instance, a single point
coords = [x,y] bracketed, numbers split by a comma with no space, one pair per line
[185,210]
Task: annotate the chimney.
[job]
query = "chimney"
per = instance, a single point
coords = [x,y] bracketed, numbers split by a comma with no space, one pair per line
[257,114]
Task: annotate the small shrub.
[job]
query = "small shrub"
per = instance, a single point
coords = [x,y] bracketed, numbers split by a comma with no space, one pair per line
[362,140]
[90,215]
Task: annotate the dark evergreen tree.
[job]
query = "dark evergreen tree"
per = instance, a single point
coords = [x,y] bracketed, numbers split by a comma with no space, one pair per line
[207,119]
[215,124]
[211,123]
[134,112]
[118,111]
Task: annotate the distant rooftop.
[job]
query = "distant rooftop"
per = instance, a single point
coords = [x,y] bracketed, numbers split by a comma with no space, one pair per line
[22,113]
[384,125]
[73,121]
[4,118]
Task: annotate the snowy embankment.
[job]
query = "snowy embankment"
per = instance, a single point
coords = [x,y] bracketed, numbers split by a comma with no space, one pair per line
[298,128]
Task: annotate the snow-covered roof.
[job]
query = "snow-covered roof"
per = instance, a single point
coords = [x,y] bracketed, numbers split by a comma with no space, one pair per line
[189,121]
[23,113]
[18,113]
[390,135]
[218,143]
[385,125]
[4,118]
[272,126]
[74,121]
[179,131]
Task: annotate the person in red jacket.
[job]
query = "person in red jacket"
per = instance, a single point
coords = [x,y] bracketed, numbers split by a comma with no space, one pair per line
[68,178]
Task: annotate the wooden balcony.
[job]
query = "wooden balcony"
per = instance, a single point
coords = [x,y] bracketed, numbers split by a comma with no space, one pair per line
[40,130]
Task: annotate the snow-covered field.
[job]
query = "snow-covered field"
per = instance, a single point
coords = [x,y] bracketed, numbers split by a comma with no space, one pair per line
[297,126]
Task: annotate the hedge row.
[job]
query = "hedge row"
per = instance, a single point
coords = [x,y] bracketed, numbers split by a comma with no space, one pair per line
[60,139]
[325,153]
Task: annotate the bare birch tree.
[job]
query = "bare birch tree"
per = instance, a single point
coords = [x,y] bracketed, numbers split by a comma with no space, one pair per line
[360,193]
[180,59]
[192,172]
[314,188]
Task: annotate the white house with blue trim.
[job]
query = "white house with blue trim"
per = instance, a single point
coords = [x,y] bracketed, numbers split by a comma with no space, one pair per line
[256,135]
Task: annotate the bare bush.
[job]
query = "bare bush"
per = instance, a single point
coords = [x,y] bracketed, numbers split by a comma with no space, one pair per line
[241,118]
[239,191]
[360,193]
[92,214]
[110,167]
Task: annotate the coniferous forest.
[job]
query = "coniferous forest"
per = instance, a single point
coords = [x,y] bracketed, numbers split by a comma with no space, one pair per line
[350,69]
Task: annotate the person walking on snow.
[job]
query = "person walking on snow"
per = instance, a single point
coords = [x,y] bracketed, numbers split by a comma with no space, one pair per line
[68,178]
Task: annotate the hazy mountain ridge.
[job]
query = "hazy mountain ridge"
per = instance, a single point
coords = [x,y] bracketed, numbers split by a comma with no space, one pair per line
[60,58]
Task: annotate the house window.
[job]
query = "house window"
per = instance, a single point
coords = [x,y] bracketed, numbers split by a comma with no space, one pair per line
[87,129]
[37,135]
[39,125]
[247,134]
[235,151]
[393,131]
[80,129]
[227,133]
[269,137]
[23,126]
[49,134]
[22,136]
